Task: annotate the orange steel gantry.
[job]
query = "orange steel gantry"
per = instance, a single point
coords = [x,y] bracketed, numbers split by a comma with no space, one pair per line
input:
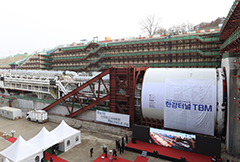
[230,32]
[120,78]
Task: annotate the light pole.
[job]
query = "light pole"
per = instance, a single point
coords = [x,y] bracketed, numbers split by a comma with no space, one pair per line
[12,132]
[5,135]
[110,158]
[102,158]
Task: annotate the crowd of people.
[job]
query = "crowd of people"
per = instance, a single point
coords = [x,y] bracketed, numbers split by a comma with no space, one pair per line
[120,146]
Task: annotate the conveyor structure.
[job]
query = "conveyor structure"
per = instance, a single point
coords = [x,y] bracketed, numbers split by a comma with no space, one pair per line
[41,82]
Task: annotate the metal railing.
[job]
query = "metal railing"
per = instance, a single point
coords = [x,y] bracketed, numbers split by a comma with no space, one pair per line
[233,37]
[230,13]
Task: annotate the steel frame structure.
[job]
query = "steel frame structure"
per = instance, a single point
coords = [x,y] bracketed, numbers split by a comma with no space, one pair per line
[152,123]
[120,78]
[125,79]
[233,18]
[236,119]
[75,95]
[230,33]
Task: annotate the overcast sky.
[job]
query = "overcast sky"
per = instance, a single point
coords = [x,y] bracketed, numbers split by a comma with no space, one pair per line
[32,25]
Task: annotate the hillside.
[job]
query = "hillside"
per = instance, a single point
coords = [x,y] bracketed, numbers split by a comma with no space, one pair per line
[213,24]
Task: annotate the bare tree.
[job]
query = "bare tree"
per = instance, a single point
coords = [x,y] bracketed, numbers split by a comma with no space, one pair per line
[185,26]
[150,24]
[189,25]
[171,29]
[161,30]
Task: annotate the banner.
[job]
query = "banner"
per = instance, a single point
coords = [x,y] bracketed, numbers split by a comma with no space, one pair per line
[190,105]
[113,118]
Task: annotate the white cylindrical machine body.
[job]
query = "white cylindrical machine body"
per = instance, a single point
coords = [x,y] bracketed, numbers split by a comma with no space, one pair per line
[186,99]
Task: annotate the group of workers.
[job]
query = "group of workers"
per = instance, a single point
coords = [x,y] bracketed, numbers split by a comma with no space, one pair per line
[119,146]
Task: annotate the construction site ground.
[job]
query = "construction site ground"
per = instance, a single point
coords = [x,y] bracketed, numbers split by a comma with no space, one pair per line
[81,152]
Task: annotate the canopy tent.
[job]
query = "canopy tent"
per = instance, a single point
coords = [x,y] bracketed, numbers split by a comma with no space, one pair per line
[21,151]
[44,139]
[71,137]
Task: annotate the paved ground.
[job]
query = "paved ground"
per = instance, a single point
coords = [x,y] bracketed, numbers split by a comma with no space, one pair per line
[80,153]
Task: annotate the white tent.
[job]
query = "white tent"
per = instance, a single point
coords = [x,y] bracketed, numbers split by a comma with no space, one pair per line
[21,151]
[44,139]
[71,137]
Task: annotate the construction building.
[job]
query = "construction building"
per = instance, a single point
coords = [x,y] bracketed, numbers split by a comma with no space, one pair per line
[210,48]
[187,49]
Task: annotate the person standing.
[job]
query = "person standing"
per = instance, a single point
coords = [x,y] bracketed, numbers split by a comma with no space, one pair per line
[126,139]
[120,148]
[53,150]
[105,151]
[51,159]
[116,144]
[103,147]
[56,148]
[114,154]
[91,152]
[123,143]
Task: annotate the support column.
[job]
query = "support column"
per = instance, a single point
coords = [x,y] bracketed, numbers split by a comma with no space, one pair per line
[10,102]
[113,86]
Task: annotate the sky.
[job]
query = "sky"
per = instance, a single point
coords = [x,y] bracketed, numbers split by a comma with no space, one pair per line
[34,25]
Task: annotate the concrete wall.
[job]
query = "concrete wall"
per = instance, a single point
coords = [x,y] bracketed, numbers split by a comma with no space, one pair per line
[233,129]
[24,104]
[79,122]
[27,105]
[4,102]
[92,126]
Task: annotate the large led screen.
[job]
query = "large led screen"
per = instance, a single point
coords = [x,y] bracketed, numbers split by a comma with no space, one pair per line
[172,139]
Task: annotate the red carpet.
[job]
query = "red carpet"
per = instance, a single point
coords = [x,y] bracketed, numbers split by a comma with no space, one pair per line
[55,158]
[141,159]
[99,159]
[169,152]
[12,139]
